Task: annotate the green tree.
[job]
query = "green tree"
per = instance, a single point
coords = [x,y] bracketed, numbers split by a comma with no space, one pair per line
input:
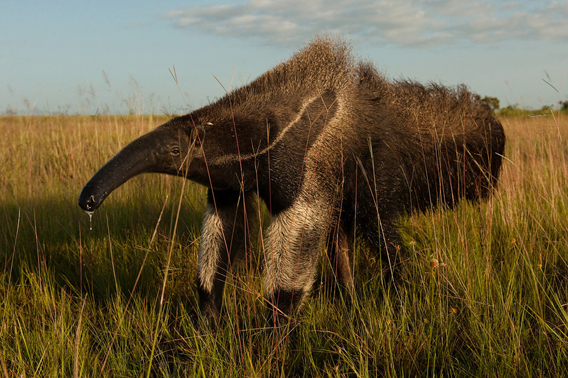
[492,102]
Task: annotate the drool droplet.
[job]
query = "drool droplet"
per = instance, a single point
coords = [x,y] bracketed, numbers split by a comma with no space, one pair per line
[90,214]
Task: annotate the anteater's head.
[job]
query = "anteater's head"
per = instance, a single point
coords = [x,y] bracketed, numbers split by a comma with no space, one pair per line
[171,148]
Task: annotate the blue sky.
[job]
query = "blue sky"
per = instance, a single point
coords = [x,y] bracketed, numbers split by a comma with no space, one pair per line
[116,56]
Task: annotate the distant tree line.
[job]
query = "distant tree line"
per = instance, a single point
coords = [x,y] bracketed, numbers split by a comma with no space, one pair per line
[492,102]
[515,109]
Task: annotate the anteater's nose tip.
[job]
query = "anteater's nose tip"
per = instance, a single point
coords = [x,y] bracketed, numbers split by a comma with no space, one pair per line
[89,204]
[86,203]
[87,200]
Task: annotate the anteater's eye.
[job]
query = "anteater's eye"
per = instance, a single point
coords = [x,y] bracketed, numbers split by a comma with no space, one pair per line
[175,151]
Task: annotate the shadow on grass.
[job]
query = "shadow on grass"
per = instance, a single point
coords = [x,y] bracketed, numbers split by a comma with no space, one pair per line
[104,256]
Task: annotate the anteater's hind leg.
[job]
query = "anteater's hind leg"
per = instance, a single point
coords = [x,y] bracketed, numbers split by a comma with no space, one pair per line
[222,236]
[391,250]
[338,252]
[381,231]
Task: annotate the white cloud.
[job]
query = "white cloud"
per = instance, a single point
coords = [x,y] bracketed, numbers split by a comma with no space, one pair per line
[401,22]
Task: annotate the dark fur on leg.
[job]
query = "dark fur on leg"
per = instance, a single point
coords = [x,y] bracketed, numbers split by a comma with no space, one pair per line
[283,325]
[338,253]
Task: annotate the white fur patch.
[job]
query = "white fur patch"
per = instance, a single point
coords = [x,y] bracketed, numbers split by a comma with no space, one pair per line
[211,240]
[294,241]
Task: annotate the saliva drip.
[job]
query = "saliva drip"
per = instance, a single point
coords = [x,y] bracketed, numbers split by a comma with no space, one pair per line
[90,214]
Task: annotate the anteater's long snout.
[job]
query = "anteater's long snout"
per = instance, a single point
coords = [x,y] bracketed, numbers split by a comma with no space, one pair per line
[136,158]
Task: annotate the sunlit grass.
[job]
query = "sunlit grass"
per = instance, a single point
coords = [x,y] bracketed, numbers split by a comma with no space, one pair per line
[484,291]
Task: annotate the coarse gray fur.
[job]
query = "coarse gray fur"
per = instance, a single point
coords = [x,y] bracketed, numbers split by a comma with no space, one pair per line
[331,146]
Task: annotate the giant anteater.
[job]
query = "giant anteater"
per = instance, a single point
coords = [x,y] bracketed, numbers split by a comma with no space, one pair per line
[329,144]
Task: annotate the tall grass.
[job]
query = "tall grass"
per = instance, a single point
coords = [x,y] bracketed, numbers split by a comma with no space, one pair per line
[484,291]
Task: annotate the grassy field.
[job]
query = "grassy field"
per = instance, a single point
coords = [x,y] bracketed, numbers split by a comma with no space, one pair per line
[484,293]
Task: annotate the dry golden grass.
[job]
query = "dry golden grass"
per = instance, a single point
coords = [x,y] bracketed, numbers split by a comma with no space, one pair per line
[485,290]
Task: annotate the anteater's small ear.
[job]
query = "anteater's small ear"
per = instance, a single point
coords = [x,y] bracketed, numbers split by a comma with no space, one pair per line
[198,136]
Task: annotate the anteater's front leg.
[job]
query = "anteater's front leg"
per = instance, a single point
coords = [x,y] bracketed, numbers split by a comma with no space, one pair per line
[294,241]
[222,236]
